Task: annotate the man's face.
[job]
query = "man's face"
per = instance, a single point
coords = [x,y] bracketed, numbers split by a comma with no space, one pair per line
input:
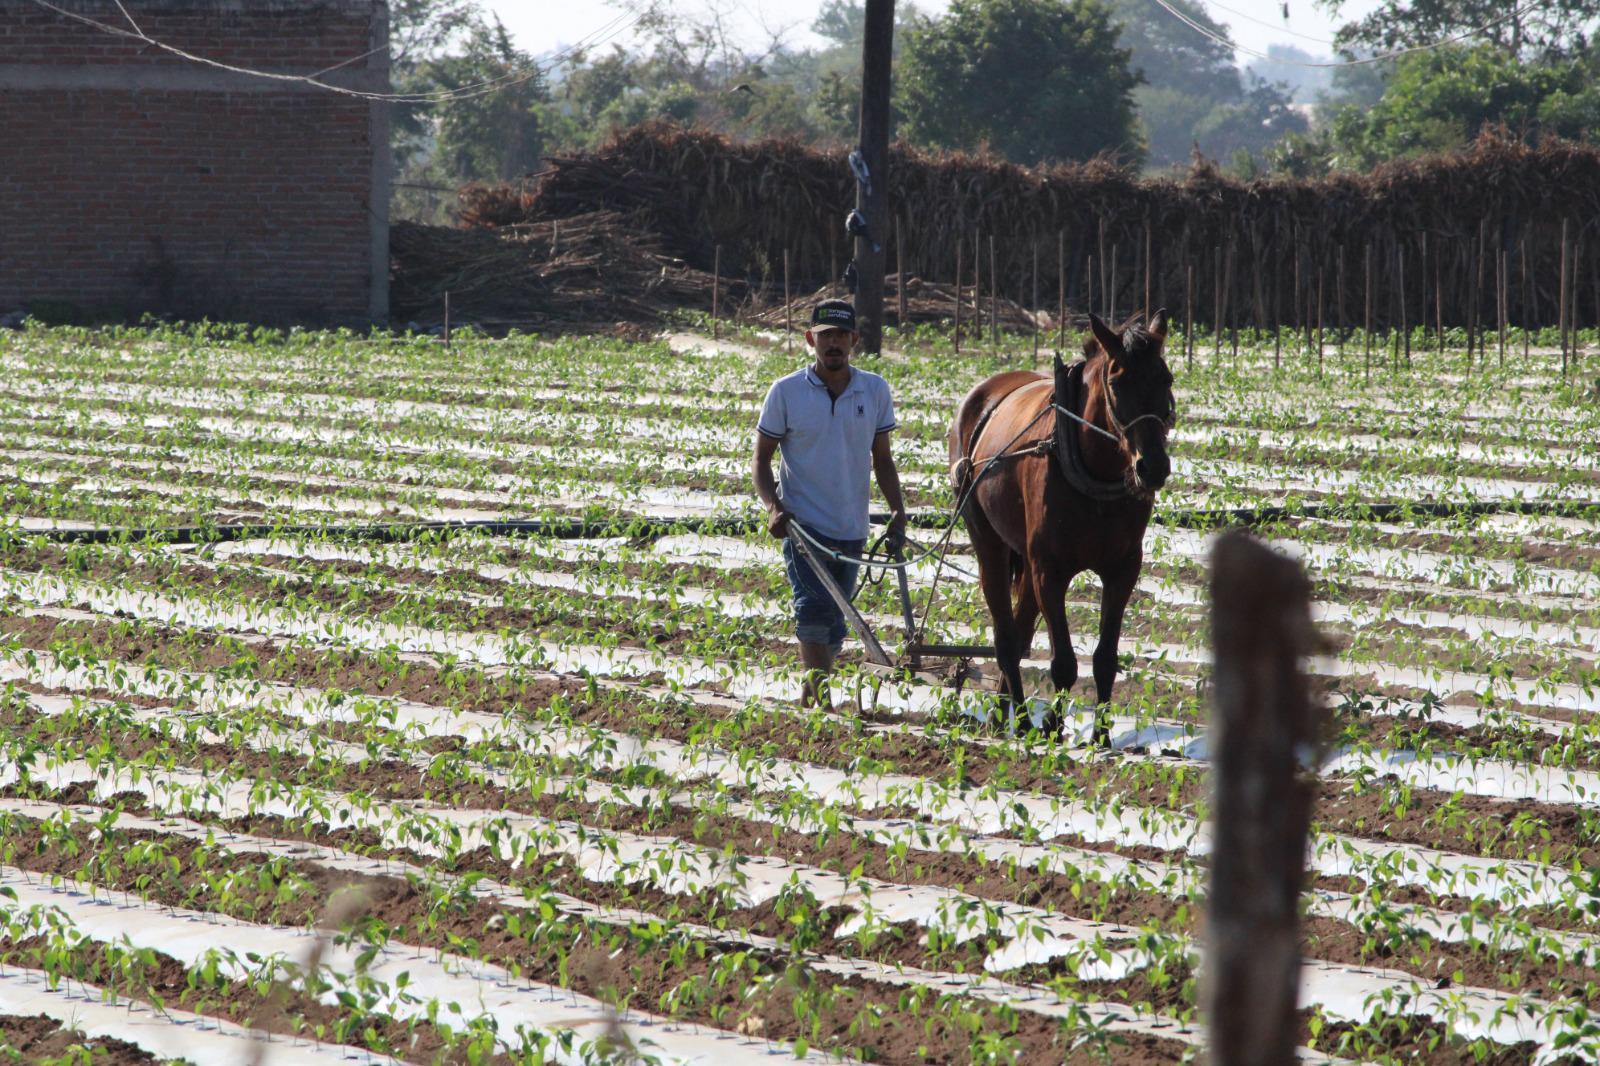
[833,347]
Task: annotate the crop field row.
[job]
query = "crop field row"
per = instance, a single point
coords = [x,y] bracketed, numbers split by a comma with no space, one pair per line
[477,798]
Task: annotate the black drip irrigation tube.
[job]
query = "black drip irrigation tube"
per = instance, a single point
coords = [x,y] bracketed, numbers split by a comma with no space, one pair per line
[647,528]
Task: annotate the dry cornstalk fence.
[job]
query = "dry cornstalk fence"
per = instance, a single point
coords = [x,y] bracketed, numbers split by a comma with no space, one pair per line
[1427,235]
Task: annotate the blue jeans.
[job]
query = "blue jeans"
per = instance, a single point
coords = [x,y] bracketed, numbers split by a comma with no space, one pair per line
[817,619]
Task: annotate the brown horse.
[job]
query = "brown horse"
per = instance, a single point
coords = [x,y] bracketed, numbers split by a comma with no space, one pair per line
[1065,495]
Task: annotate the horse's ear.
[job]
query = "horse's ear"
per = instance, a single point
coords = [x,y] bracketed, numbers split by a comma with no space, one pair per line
[1158,324]
[1110,343]
[1060,365]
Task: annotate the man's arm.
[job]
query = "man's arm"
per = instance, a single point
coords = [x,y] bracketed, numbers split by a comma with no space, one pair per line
[767,485]
[888,476]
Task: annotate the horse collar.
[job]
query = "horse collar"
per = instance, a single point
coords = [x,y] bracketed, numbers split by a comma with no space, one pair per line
[1069,449]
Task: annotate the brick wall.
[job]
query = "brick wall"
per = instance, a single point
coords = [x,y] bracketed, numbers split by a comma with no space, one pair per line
[132,179]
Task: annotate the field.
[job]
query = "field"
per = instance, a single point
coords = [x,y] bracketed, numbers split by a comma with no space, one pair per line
[511,798]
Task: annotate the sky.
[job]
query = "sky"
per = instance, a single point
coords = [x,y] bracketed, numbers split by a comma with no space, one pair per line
[545,26]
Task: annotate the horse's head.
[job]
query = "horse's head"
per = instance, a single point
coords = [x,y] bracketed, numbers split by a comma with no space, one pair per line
[1139,395]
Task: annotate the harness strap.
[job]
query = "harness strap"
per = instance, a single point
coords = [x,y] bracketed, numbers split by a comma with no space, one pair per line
[1069,456]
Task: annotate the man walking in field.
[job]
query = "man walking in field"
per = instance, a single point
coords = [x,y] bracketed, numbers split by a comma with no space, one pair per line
[832,423]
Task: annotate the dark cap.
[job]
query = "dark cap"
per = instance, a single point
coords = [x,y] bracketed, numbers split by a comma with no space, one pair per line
[834,314]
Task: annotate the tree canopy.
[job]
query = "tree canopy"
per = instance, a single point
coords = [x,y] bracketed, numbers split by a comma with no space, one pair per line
[1547,28]
[1034,80]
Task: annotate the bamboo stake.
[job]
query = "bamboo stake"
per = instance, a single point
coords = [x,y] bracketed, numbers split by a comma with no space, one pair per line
[959,279]
[1110,292]
[1561,309]
[1088,286]
[1338,310]
[1501,269]
[1366,366]
[1405,328]
[1527,294]
[716,292]
[1438,301]
[1147,266]
[1216,301]
[1061,289]
[1319,321]
[994,297]
[447,319]
[1103,283]
[1478,287]
[1277,314]
[788,307]
[1422,283]
[900,267]
[1572,295]
[1227,301]
[1188,313]
[1035,307]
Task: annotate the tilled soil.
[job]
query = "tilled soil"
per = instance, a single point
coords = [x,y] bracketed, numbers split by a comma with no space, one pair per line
[42,1038]
[643,976]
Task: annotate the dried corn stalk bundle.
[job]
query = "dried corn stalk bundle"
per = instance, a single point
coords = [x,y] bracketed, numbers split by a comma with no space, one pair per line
[593,269]
[1443,215]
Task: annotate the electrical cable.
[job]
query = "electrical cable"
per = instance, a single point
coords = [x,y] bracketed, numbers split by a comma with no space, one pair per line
[623,21]
[1206,31]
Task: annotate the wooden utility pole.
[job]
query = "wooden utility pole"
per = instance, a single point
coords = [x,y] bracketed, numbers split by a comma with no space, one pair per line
[1263,719]
[872,195]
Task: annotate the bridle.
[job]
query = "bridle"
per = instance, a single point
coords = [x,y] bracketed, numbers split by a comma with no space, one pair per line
[1118,434]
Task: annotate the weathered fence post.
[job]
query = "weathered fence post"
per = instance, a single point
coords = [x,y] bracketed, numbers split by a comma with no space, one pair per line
[1262,719]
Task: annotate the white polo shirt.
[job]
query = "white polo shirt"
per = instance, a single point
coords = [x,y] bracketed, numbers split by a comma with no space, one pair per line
[825,472]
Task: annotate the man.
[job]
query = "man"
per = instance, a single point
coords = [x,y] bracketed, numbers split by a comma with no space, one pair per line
[832,422]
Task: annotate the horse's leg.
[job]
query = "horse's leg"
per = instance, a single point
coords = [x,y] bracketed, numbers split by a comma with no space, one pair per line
[1050,592]
[994,579]
[1025,615]
[1116,587]
[1050,589]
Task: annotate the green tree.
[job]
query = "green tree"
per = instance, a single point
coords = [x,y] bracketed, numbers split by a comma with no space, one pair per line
[1035,80]
[1548,28]
[490,131]
[1441,99]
